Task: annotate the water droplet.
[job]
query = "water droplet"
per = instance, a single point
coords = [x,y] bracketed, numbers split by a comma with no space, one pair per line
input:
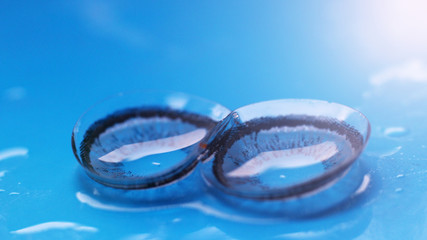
[13,152]
[383,147]
[95,192]
[364,185]
[396,132]
[42,227]
[398,189]
[175,220]
[2,173]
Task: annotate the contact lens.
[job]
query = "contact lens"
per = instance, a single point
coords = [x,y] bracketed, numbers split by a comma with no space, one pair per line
[284,149]
[143,140]
[286,157]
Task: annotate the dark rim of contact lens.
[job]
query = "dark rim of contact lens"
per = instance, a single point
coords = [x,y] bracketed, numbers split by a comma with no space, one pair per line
[220,147]
[100,126]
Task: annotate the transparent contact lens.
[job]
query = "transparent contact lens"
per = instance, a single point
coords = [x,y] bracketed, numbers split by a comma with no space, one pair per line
[283,150]
[144,139]
[282,157]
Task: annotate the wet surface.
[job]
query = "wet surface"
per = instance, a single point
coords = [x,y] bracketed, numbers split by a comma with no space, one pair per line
[60,58]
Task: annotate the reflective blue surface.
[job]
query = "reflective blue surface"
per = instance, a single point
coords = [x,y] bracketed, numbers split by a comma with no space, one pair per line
[59,58]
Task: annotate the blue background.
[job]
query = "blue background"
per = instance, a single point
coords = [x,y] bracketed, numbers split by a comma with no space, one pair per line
[58,58]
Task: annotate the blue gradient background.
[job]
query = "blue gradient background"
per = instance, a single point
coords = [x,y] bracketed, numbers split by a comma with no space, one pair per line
[57,58]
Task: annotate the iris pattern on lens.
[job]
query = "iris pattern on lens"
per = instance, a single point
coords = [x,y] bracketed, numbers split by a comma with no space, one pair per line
[286,157]
[272,150]
[135,145]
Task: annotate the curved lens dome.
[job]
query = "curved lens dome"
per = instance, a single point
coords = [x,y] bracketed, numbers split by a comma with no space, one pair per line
[282,149]
[143,139]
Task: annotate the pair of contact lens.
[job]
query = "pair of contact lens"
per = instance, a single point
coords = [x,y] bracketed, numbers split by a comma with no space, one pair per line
[269,151]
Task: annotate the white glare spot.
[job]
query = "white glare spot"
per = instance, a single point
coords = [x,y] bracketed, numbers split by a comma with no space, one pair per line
[287,158]
[177,102]
[54,225]
[134,151]
[13,152]
[364,185]
[380,30]
[2,173]
[395,131]
[14,193]
[219,112]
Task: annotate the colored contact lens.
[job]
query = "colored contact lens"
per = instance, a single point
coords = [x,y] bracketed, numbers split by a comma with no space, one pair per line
[143,140]
[279,150]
